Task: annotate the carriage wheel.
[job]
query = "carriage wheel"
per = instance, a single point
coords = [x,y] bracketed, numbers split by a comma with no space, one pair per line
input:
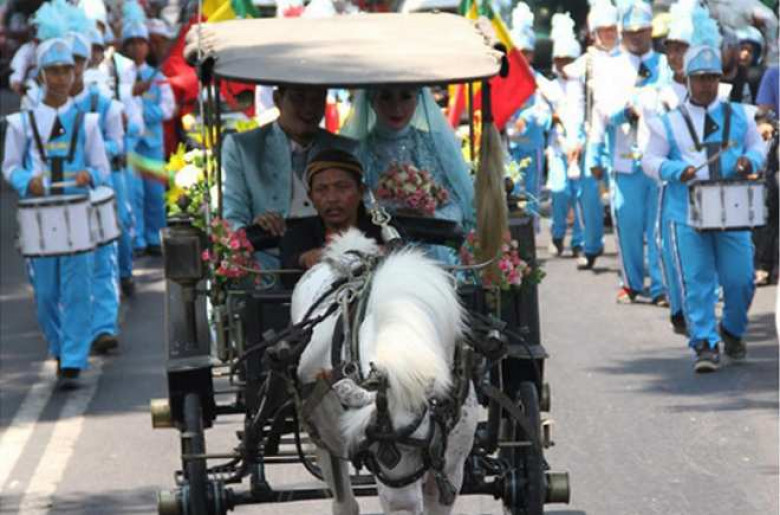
[193,442]
[524,483]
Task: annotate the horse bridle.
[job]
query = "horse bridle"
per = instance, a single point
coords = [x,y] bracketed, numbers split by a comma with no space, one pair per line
[351,293]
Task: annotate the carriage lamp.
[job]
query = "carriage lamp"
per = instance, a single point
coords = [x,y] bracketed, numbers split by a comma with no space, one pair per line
[181,246]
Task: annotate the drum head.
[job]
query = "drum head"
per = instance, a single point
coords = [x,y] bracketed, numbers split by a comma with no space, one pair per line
[100,195]
[51,200]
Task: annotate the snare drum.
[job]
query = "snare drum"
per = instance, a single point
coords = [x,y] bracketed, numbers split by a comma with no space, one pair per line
[103,217]
[57,225]
[726,205]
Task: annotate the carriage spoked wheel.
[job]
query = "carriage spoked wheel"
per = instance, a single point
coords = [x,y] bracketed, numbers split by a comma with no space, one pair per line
[524,481]
[195,501]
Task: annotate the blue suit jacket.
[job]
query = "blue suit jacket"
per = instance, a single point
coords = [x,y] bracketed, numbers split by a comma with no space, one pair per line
[257,171]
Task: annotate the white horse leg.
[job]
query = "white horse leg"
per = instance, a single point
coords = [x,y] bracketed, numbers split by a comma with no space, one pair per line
[401,501]
[459,446]
[336,474]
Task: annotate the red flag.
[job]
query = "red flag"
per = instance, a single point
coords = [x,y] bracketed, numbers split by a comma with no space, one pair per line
[508,94]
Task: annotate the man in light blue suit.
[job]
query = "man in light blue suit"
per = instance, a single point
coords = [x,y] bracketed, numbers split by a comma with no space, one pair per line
[263,168]
[622,98]
[706,138]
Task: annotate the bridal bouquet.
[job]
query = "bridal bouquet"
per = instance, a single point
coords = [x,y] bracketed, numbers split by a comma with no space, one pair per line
[513,270]
[408,187]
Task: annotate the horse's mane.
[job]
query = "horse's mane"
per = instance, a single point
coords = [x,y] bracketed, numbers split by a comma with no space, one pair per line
[416,319]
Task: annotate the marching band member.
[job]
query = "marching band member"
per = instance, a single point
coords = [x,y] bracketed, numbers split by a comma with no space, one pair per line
[96,77]
[115,75]
[158,105]
[105,278]
[528,126]
[671,95]
[706,138]
[23,66]
[52,143]
[566,135]
[602,22]
[620,97]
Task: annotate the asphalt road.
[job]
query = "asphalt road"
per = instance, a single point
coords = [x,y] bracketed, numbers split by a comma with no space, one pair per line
[637,430]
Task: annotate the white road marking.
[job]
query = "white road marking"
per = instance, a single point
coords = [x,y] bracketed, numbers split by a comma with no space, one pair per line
[15,437]
[37,497]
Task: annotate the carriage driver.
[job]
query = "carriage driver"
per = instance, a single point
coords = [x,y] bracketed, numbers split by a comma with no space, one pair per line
[704,129]
[37,142]
[334,180]
[263,168]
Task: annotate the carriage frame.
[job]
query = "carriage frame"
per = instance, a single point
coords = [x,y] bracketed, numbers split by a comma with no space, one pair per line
[238,343]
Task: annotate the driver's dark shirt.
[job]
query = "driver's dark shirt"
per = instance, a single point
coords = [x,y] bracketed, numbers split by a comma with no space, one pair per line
[309,234]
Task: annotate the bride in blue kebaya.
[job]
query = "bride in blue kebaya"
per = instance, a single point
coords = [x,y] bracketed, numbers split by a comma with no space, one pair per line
[404,125]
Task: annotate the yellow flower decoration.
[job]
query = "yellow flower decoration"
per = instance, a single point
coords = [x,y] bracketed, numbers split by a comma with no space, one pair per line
[177,160]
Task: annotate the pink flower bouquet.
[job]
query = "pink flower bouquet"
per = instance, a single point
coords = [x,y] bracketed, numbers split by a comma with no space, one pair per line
[408,187]
[513,270]
[231,253]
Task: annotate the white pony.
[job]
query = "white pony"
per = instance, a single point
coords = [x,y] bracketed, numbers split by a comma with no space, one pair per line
[412,322]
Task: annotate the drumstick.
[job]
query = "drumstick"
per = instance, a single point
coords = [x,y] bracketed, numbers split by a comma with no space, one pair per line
[64,184]
[714,157]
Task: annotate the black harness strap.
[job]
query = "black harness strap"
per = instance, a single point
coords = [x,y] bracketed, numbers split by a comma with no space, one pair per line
[93,102]
[37,136]
[692,131]
[75,136]
[115,72]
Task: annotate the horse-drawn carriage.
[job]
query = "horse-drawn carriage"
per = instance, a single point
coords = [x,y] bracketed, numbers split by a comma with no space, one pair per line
[237,350]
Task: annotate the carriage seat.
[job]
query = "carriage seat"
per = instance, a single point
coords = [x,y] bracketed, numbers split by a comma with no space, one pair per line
[419,229]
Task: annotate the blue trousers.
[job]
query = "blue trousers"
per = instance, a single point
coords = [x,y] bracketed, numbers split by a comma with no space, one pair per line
[105,291]
[672,279]
[120,180]
[703,260]
[634,209]
[63,291]
[591,214]
[148,203]
[564,192]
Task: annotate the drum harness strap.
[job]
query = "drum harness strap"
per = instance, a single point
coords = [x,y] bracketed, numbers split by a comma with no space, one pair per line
[56,162]
[699,146]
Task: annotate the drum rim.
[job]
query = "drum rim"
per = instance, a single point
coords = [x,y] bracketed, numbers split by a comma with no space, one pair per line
[49,201]
[102,202]
[63,254]
[721,182]
[108,242]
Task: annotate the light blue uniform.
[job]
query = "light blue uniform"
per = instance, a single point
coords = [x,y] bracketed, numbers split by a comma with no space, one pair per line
[62,284]
[149,194]
[634,195]
[105,278]
[593,64]
[564,189]
[529,144]
[704,259]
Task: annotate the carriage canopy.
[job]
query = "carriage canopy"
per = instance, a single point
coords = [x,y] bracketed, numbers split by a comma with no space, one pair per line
[348,51]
